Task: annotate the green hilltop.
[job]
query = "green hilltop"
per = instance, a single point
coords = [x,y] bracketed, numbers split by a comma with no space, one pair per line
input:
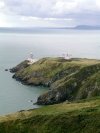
[67,79]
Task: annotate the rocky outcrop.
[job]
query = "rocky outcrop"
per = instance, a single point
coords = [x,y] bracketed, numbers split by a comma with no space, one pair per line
[6,69]
[20,66]
[60,93]
[67,80]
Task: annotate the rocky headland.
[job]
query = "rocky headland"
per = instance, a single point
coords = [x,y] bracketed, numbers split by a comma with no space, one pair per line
[67,79]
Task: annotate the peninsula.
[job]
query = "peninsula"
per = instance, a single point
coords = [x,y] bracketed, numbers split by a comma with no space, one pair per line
[71,79]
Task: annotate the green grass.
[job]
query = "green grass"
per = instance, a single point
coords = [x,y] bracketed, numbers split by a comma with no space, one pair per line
[77,117]
[52,66]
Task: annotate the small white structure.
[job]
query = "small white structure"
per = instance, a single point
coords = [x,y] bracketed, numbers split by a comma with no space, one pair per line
[66,56]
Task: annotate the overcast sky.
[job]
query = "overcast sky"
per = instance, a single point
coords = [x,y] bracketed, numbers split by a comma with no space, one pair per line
[56,13]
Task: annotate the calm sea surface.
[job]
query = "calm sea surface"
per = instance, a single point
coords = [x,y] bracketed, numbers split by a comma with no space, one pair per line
[16,46]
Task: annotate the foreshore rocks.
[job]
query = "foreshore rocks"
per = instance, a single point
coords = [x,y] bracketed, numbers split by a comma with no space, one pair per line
[6,69]
[67,79]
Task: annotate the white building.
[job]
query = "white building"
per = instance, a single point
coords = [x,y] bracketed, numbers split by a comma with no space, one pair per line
[66,56]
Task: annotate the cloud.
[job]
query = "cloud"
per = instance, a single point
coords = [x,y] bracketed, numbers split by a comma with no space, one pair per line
[73,11]
[64,7]
[29,18]
[3,21]
[76,6]
[1,4]
[56,19]
[29,7]
[52,8]
[51,19]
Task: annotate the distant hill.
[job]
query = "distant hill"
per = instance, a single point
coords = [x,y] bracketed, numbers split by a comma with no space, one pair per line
[86,27]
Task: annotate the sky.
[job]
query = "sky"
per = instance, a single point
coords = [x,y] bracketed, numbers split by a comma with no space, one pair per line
[49,13]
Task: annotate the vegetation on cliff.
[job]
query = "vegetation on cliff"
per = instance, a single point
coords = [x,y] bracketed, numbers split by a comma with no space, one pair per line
[73,117]
[68,79]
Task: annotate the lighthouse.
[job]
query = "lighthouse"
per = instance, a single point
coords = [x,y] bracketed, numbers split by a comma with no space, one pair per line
[30,60]
[31,56]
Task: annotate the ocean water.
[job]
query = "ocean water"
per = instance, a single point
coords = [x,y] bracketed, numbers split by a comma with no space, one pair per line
[16,46]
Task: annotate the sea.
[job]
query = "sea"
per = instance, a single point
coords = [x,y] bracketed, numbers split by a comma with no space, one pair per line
[16,44]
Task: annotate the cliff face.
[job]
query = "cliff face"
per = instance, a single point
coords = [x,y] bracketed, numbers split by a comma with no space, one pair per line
[68,79]
[20,66]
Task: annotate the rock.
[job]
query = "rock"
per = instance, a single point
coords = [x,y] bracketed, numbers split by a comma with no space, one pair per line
[6,69]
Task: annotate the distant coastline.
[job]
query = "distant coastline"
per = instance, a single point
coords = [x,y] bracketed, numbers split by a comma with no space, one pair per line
[78,27]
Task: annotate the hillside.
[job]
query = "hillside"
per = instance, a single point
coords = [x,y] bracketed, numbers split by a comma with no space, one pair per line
[67,79]
[72,117]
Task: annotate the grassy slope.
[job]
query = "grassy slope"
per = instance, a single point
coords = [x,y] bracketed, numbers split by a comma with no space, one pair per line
[51,66]
[77,117]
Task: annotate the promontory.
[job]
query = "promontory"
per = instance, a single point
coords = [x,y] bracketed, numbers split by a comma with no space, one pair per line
[73,79]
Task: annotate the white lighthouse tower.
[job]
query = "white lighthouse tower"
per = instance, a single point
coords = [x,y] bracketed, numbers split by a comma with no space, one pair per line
[30,59]
[31,56]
